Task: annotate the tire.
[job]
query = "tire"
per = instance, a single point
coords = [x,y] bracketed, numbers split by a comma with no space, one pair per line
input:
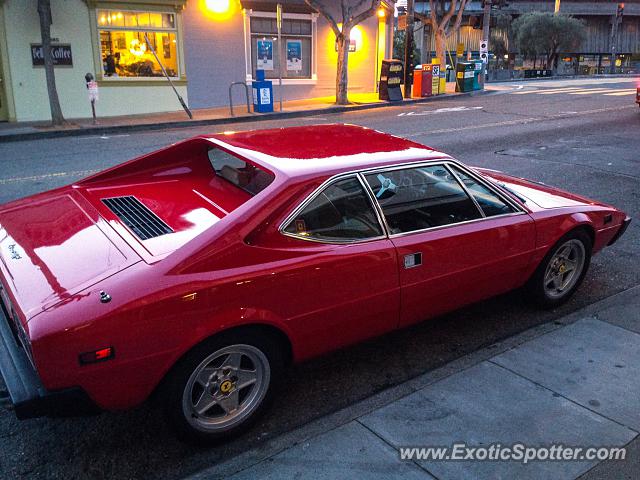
[553,282]
[204,397]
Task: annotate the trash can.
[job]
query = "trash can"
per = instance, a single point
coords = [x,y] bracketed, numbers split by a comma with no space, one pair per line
[478,66]
[464,76]
[391,76]
[262,93]
[422,79]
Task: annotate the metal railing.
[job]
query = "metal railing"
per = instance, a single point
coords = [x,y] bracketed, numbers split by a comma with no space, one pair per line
[246,90]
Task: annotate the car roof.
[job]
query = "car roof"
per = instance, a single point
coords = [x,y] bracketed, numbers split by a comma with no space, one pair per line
[322,149]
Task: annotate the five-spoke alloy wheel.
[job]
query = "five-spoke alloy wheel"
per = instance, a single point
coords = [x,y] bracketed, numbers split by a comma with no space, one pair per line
[562,270]
[222,386]
[226,387]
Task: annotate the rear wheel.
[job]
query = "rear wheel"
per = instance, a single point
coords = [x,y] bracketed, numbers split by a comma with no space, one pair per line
[222,386]
[562,270]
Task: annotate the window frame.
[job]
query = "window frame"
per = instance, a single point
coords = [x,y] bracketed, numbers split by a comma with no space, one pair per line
[248,53]
[475,201]
[317,192]
[173,7]
[360,173]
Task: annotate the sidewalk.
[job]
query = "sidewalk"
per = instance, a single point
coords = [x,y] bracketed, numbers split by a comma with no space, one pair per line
[572,382]
[18,131]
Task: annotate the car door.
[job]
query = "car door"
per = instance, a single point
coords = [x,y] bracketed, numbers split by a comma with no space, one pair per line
[343,285]
[458,240]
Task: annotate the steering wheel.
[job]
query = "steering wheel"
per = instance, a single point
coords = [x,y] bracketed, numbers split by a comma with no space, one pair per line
[385,184]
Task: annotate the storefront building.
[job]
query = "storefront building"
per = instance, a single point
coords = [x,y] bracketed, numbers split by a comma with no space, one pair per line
[204,46]
[593,56]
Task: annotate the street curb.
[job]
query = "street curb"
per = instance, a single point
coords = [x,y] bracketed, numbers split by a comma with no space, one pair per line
[110,130]
[335,420]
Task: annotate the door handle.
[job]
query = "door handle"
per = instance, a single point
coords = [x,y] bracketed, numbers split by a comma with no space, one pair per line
[413,260]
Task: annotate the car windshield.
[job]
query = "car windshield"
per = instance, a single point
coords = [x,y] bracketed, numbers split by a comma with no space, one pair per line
[242,174]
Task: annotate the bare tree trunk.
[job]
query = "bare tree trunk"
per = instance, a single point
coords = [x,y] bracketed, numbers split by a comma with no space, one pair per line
[44,11]
[441,46]
[342,79]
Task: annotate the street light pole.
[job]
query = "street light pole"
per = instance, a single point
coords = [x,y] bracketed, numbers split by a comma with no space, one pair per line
[408,49]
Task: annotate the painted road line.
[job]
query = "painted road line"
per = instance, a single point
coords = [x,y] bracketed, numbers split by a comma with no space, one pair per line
[622,92]
[554,90]
[561,90]
[592,91]
[79,173]
[519,121]
[439,110]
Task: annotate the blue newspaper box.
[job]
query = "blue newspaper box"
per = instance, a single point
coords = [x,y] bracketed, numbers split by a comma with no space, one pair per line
[262,93]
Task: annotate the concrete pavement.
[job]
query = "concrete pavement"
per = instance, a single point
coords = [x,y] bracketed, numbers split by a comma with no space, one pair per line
[572,382]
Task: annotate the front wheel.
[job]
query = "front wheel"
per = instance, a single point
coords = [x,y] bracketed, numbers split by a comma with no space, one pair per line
[561,271]
[221,387]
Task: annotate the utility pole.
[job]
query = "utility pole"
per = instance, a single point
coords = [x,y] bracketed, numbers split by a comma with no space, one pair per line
[486,19]
[408,49]
[614,36]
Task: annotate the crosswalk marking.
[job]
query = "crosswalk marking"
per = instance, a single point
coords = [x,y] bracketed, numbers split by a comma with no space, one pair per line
[590,91]
[624,92]
[559,90]
[579,91]
[554,90]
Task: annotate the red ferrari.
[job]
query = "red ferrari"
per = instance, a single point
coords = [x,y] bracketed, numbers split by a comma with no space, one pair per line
[198,272]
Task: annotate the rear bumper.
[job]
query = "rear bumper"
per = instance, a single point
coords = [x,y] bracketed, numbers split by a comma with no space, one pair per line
[620,232]
[28,396]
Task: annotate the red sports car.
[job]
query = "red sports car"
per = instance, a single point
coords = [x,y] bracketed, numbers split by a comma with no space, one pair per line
[201,270]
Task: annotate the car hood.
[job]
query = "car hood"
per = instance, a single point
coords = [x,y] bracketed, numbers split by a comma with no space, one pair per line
[52,247]
[535,194]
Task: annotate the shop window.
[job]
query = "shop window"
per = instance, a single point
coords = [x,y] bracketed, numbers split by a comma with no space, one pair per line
[127,39]
[292,58]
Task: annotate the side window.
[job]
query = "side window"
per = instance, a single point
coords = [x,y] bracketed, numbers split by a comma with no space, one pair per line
[423,197]
[341,212]
[490,203]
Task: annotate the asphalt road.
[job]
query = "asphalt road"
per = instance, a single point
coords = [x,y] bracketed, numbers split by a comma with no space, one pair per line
[581,135]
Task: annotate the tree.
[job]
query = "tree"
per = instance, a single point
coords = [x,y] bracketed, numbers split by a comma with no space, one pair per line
[547,34]
[398,48]
[350,18]
[441,12]
[44,12]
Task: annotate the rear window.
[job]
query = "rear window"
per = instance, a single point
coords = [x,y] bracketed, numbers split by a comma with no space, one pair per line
[242,174]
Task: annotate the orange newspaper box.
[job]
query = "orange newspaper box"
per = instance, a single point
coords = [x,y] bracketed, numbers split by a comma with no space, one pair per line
[422,79]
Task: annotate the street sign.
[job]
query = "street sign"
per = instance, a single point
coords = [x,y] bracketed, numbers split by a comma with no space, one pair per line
[484,50]
[279,15]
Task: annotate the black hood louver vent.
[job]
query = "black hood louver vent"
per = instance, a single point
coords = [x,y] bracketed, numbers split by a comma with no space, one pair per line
[140,220]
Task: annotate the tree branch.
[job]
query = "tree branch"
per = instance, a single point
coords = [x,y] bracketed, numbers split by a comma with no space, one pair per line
[444,24]
[463,5]
[424,18]
[322,10]
[375,4]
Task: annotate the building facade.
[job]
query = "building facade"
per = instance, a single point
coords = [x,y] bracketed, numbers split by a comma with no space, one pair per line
[593,56]
[203,45]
